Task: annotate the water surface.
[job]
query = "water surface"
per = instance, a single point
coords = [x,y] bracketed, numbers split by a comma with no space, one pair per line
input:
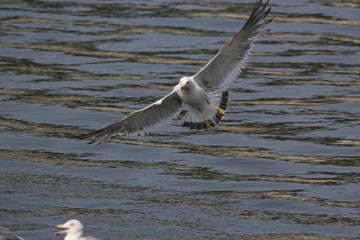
[284,164]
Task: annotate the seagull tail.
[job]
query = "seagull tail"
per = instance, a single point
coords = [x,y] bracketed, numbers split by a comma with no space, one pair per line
[211,115]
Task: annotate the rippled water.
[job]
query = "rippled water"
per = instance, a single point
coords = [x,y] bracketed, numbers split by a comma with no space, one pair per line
[284,164]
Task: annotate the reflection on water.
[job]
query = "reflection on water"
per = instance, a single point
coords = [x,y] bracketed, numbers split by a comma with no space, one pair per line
[284,164]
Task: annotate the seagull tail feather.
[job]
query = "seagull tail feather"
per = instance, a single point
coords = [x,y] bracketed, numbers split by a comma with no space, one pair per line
[211,115]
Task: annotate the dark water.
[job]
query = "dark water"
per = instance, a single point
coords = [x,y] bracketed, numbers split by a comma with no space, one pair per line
[284,164]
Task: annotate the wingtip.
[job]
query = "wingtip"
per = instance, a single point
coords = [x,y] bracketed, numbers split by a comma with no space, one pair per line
[88,136]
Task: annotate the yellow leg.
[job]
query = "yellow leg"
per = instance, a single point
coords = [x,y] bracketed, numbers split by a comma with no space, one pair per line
[220,110]
[207,123]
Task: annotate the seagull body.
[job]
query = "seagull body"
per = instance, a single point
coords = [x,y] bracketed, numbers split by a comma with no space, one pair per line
[74,231]
[204,110]
[205,92]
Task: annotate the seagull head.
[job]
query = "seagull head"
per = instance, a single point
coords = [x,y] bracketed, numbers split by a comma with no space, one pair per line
[73,229]
[186,83]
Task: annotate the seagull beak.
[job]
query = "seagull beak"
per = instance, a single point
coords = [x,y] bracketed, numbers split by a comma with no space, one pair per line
[64,229]
[182,86]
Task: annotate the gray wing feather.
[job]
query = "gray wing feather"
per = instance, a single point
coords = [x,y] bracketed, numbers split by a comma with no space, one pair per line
[223,69]
[139,121]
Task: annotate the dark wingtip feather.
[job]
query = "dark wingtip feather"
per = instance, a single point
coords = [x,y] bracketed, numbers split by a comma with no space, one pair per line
[92,136]
[257,16]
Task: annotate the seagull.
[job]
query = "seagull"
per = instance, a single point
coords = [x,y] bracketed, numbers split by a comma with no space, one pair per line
[74,231]
[205,93]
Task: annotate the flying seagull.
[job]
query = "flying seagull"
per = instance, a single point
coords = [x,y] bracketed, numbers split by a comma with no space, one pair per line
[74,231]
[205,92]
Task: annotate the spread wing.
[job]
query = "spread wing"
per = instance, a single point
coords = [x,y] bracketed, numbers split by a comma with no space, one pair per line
[223,69]
[140,120]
